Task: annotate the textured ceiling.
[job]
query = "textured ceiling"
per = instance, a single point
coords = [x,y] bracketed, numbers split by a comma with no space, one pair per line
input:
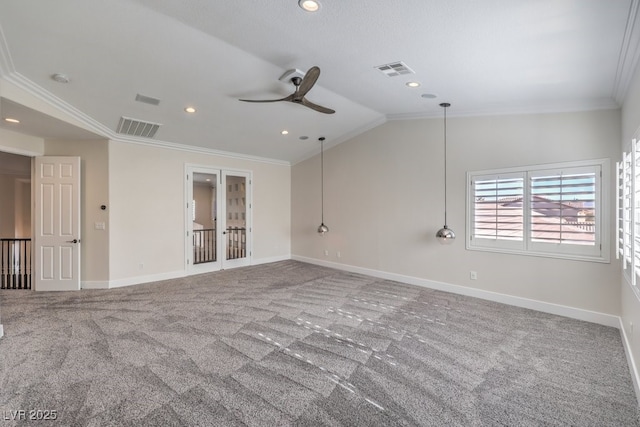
[484,57]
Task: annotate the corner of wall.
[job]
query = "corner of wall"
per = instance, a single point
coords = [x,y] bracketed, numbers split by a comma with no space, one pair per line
[633,368]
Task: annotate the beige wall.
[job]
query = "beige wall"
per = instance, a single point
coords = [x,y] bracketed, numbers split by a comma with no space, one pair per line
[94,192]
[384,202]
[15,192]
[203,195]
[7,206]
[146,187]
[17,143]
[22,207]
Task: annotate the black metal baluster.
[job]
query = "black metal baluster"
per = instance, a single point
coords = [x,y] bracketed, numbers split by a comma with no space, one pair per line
[3,279]
[28,263]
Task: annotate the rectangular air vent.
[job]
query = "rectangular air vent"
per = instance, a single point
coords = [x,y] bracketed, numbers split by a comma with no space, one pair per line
[147,99]
[395,69]
[135,127]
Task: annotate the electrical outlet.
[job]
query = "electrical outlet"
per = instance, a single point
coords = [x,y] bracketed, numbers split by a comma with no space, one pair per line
[141,266]
[338,254]
[473,275]
[326,253]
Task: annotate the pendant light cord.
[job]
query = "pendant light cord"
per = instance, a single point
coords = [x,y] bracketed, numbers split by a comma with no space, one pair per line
[322,180]
[445,164]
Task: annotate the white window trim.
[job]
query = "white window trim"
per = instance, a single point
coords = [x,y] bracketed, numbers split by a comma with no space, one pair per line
[602,213]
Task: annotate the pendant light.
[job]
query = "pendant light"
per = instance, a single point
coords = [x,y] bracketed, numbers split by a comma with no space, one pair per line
[445,235]
[322,228]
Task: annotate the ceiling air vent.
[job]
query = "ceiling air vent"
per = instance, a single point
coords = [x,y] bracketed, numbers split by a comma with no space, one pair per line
[134,127]
[395,69]
[147,99]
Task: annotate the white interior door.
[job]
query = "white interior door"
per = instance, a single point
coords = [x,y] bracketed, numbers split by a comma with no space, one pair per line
[217,219]
[57,224]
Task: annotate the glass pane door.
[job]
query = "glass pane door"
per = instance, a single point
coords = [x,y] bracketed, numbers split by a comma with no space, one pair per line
[236,233]
[204,218]
[236,242]
[217,220]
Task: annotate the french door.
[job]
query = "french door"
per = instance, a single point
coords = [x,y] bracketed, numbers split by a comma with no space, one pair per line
[218,219]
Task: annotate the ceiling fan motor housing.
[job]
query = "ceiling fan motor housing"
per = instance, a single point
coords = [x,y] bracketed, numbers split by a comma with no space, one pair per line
[290,74]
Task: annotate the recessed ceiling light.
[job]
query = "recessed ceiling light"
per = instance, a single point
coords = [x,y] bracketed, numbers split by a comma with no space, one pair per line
[60,78]
[10,120]
[285,132]
[208,179]
[309,5]
[413,84]
[190,110]
[429,95]
[303,137]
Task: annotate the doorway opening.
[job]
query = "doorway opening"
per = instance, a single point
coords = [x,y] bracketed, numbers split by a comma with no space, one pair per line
[15,221]
[218,213]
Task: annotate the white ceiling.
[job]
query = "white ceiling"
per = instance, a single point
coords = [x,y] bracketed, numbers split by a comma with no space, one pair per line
[484,57]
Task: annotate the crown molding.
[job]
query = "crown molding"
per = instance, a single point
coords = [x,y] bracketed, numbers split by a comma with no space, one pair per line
[92,125]
[629,54]
[6,63]
[347,136]
[198,150]
[44,95]
[596,105]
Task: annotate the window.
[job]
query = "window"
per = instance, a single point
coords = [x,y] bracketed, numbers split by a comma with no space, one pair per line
[549,210]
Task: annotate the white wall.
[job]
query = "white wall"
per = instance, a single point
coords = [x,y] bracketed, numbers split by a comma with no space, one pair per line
[630,310]
[146,195]
[384,202]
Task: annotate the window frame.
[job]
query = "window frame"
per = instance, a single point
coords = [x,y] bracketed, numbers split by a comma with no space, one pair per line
[599,252]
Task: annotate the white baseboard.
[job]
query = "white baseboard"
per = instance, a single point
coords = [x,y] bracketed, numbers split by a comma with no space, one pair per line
[633,369]
[545,307]
[270,259]
[104,284]
[138,280]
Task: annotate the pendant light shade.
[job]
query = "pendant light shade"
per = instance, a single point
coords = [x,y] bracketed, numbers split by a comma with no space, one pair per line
[322,229]
[445,235]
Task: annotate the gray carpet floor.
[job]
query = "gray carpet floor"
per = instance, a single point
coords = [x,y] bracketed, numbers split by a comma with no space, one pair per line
[290,343]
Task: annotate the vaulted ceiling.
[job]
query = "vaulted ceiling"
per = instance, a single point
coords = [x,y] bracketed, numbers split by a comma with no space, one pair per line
[484,57]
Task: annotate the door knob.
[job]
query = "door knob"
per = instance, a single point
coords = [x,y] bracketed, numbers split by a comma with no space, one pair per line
[73,241]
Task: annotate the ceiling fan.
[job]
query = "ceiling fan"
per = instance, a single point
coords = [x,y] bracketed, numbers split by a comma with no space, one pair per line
[303,86]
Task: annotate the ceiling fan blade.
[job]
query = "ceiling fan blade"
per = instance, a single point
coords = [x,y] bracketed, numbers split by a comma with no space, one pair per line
[288,98]
[317,107]
[308,81]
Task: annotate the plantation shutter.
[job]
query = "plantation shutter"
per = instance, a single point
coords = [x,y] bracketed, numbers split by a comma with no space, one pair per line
[624,212]
[498,208]
[634,214]
[562,206]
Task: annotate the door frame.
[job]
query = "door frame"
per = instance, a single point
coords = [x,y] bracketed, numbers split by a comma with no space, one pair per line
[220,263]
